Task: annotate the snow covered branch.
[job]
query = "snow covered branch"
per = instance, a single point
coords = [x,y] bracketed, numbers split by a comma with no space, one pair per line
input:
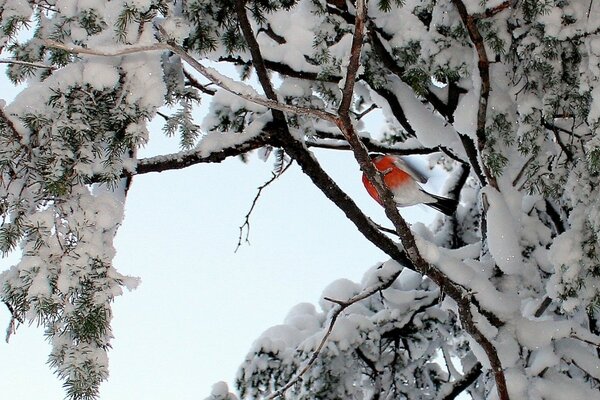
[341,306]
[27,64]
[197,156]
[244,91]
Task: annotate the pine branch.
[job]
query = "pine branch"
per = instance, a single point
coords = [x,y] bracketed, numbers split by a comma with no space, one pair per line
[396,109]
[27,64]
[188,158]
[342,305]
[212,75]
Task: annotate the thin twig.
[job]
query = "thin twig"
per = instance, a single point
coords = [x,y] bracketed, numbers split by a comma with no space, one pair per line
[12,324]
[195,83]
[246,223]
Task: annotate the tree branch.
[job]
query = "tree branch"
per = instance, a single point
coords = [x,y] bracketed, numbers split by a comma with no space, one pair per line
[354,61]
[483,65]
[212,75]
[27,64]
[188,158]
[452,390]
[194,82]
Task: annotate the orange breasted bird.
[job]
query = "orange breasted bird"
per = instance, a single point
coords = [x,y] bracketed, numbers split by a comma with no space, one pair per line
[403,181]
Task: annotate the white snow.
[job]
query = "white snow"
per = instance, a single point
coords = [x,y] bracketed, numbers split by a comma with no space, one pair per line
[100,74]
[502,231]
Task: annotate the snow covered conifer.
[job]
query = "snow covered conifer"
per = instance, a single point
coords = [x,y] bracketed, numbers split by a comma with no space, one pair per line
[500,300]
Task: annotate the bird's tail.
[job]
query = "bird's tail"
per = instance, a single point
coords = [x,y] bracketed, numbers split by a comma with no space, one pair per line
[443,204]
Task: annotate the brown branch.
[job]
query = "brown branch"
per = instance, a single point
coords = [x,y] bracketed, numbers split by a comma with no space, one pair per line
[189,158]
[246,223]
[196,84]
[354,61]
[483,65]
[466,317]
[490,12]
[459,386]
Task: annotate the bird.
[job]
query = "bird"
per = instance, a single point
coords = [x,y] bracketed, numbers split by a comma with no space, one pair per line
[403,181]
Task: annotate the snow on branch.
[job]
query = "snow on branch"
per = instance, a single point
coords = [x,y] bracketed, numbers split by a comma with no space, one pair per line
[197,156]
[26,64]
[244,91]
[342,305]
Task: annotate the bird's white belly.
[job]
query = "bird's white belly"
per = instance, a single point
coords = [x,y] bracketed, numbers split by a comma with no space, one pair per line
[411,194]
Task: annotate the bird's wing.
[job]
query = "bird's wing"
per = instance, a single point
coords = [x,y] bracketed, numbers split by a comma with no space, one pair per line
[409,169]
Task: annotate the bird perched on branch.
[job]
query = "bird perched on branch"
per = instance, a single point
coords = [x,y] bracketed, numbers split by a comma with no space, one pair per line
[403,181]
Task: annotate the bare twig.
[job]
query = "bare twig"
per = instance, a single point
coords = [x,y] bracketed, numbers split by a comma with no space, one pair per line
[246,223]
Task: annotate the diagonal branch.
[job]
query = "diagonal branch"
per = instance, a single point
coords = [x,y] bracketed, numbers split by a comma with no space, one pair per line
[354,61]
[451,391]
[483,65]
[212,75]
